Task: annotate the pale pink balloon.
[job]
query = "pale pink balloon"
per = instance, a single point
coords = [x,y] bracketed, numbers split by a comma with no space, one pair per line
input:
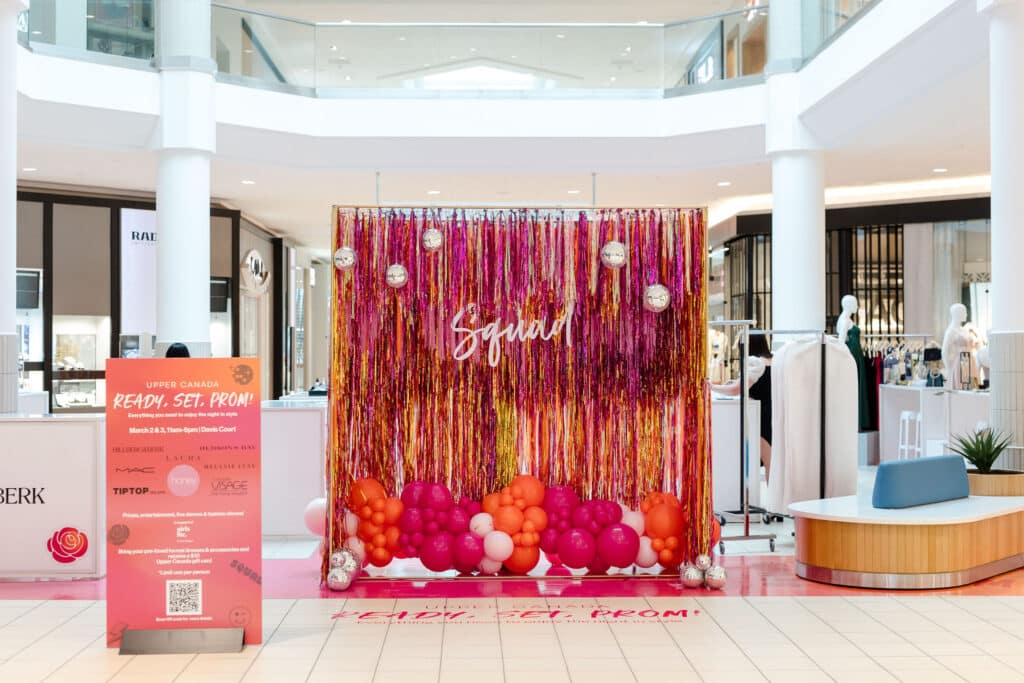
[646,557]
[356,545]
[489,566]
[351,523]
[315,516]
[634,520]
[481,524]
[498,546]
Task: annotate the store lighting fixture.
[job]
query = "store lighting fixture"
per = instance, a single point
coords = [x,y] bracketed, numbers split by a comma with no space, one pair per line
[248,182]
[346,21]
[574,191]
[400,38]
[30,169]
[940,170]
[434,192]
[642,22]
[247,50]
[348,78]
[724,183]
[37,33]
[472,49]
[515,56]
[560,36]
[90,16]
[612,79]
[334,48]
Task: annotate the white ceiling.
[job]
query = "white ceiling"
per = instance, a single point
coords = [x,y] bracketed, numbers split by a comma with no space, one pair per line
[492,10]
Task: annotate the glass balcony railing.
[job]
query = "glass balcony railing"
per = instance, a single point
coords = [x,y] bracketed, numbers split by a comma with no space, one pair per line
[824,19]
[522,59]
[428,60]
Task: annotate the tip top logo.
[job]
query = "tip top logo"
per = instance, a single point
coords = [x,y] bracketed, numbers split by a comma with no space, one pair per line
[67,545]
[242,374]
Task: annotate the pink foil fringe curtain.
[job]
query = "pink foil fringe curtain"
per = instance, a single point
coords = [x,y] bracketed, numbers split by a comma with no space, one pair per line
[621,412]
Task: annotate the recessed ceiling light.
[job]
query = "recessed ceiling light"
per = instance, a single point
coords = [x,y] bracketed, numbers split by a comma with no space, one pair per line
[724,183]
[612,79]
[426,63]
[433,191]
[248,182]
[348,78]
[30,169]
[472,49]
[629,48]
[90,16]
[560,36]
[334,48]
[346,21]
[401,37]
[940,170]
[37,33]
[453,57]
[574,191]
[515,56]
[642,22]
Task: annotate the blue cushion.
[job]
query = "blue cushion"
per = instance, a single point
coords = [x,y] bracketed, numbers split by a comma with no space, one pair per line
[906,483]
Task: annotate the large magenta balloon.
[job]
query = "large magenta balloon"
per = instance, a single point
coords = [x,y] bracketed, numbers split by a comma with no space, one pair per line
[437,497]
[467,551]
[411,520]
[436,553]
[576,548]
[617,545]
[458,521]
[549,540]
[412,494]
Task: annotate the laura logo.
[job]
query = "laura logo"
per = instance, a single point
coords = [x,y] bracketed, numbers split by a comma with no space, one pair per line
[118,534]
[242,374]
[229,487]
[67,545]
[22,496]
[135,470]
[471,338]
[183,480]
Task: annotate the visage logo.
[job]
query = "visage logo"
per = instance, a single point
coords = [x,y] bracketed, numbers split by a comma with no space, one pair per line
[22,495]
[183,480]
[229,487]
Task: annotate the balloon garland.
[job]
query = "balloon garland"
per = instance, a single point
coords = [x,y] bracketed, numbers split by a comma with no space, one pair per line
[573,376]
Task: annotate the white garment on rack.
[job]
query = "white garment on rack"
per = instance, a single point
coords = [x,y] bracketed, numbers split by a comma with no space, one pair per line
[796,422]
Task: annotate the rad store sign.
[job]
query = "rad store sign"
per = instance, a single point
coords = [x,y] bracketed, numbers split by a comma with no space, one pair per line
[50,498]
[183,495]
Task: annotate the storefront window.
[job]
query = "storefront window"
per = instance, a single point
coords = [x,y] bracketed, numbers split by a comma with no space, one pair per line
[81,341]
[30,313]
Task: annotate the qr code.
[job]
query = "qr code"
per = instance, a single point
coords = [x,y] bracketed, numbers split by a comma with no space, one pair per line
[184,598]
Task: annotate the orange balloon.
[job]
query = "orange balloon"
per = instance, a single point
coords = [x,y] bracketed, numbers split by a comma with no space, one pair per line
[377,505]
[523,559]
[670,559]
[716,531]
[519,503]
[664,520]
[672,542]
[367,530]
[377,518]
[380,540]
[531,487]
[509,519]
[537,516]
[517,539]
[379,557]
[364,492]
[657,544]
[515,490]
[506,497]
[366,512]
[392,510]
[491,503]
[665,556]
[391,534]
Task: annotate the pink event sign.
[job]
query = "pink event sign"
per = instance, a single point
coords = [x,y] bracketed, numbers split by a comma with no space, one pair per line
[183,495]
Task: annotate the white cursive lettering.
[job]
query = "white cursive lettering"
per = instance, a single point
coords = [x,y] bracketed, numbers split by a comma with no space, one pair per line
[493,332]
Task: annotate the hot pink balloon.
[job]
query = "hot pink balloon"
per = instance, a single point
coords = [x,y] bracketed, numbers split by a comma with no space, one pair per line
[437,497]
[498,546]
[458,522]
[412,494]
[559,570]
[315,517]
[597,566]
[554,559]
[436,553]
[467,551]
[411,520]
[549,540]
[577,548]
[617,545]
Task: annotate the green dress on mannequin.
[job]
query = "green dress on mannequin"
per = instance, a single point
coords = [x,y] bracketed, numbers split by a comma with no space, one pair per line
[863,409]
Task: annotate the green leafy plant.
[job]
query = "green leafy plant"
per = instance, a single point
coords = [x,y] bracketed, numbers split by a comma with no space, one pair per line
[981,449]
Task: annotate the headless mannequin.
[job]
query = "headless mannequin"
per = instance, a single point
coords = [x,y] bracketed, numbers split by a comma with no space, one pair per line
[845,321]
[957,340]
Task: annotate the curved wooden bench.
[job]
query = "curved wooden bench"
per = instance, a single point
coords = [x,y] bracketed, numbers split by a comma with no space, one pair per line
[847,542]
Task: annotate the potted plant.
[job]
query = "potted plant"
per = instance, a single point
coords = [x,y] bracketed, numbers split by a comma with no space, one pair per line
[982,448]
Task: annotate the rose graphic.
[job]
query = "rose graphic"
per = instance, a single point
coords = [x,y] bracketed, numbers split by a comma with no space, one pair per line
[67,545]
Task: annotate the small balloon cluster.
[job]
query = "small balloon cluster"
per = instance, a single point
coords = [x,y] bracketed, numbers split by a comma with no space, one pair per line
[509,529]
[702,572]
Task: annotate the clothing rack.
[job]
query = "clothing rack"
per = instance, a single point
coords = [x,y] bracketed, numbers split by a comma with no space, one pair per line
[821,397]
[744,339]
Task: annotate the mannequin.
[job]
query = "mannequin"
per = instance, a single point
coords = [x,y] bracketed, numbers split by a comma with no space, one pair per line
[849,334]
[845,321]
[958,339]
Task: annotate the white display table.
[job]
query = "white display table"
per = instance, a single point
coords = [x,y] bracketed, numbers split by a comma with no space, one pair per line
[725,452]
[944,414]
[294,452]
[53,468]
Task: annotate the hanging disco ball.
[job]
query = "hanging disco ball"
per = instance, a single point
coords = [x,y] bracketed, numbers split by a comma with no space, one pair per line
[613,255]
[656,298]
[397,276]
[433,239]
[345,258]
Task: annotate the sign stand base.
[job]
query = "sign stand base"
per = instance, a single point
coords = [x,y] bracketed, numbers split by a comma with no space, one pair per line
[181,641]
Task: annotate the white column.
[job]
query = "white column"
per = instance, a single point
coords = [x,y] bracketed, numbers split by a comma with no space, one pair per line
[1006,107]
[187,139]
[798,240]
[798,181]
[9,10]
